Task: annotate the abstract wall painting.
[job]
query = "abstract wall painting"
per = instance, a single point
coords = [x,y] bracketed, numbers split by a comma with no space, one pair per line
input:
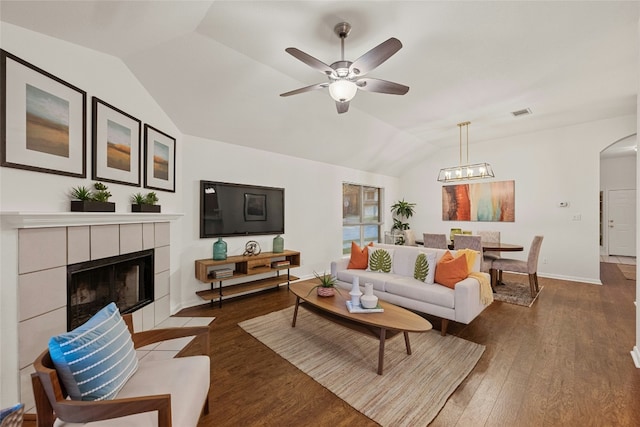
[116,145]
[43,120]
[159,160]
[489,201]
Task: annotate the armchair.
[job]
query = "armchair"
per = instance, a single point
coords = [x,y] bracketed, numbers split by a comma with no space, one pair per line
[176,389]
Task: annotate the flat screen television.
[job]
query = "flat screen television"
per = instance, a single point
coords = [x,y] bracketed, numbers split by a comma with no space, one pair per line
[240,210]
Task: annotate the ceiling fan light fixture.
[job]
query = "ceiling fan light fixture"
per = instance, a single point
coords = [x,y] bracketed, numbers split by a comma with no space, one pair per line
[342,90]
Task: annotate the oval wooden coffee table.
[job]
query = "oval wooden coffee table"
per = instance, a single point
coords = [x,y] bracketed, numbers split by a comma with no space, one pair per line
[383,325]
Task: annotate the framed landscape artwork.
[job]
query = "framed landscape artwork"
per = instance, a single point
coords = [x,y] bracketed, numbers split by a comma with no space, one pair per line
[489,201]
[43,120]
[116,145]
[159,160]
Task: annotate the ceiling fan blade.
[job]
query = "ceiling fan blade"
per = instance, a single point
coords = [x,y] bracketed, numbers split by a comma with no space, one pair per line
[381,86]
[310,60]
[342,107]
[305,89]
[375,57]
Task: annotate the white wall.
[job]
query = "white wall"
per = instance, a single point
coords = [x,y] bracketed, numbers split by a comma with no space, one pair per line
[313,204]
[548,167]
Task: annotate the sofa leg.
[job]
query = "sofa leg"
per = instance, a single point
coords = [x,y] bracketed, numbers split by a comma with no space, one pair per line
[443,327]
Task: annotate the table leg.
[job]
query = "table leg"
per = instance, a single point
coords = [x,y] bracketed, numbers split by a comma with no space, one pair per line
[295,312]
[407,343]
[383,337]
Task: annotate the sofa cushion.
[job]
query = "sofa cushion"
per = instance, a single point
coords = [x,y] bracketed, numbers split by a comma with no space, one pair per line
[380,259]
[377,279]
[414,289]
[96,359]
[359,256]
[425,267]
[450,270]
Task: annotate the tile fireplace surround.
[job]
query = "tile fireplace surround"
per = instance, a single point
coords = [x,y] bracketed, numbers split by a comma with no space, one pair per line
[46,247]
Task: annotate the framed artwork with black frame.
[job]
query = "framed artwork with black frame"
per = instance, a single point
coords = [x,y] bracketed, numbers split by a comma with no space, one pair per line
[255,207]
[159,160]
[116,145]
[42,120]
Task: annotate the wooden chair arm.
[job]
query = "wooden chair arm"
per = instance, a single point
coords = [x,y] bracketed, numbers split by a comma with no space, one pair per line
[83,412]
[200,333]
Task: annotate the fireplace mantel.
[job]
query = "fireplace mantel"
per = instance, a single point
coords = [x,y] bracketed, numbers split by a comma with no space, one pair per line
[68,219]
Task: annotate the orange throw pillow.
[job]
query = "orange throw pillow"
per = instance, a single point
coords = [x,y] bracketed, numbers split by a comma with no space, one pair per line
[450,270]
[359,257]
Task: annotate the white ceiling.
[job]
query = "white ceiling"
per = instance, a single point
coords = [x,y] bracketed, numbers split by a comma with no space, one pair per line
[217,68]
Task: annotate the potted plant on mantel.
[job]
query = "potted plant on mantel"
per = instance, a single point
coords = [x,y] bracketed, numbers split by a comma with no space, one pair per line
[402,210]
[86,200]
[145,203]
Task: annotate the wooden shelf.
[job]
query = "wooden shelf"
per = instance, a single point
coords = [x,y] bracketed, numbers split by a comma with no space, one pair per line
[243,268]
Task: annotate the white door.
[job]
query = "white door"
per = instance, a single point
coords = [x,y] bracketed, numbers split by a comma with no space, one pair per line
[622,222]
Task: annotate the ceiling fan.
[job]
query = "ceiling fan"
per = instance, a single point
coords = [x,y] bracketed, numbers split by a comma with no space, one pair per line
[346,77]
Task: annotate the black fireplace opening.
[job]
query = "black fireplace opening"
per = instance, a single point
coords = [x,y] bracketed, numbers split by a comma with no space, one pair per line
[126,280]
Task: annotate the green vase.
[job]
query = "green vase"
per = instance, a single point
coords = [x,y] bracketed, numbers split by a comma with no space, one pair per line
[278,244]
[220,249]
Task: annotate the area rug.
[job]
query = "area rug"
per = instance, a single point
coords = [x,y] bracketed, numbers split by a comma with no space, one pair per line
[515,293]
[628,271]
[412,389]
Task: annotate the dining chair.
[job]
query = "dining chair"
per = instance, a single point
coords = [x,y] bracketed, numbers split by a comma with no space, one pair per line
[438,241]
[465,241]
[409,238]
[530,266]
[489,256]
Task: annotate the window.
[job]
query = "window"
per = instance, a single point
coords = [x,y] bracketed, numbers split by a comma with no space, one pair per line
[361,220]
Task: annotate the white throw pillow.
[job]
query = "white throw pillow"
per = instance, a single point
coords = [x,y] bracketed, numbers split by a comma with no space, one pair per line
[430,258]
[380,259]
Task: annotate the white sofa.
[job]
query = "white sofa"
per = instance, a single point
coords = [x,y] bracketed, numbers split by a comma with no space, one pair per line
[461,304]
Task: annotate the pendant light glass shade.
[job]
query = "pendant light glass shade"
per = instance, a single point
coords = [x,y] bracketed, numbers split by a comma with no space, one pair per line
[468,171]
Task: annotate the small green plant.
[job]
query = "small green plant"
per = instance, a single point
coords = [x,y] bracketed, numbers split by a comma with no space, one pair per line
[326,281]
[403,210]
[102,194]
[148,199]
[81,193]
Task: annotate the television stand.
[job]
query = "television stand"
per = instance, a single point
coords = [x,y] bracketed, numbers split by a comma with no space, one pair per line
[240,268]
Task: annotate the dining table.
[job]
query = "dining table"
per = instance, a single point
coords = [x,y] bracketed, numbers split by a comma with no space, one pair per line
[501,247]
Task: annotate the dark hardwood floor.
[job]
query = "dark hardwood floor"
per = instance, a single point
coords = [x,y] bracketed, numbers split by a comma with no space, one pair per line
[563,362]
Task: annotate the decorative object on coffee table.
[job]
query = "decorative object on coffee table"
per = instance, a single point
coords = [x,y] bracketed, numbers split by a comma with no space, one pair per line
[327,286]
[145,203]
[86,200]
[355,291]
[368,300]
[220,249]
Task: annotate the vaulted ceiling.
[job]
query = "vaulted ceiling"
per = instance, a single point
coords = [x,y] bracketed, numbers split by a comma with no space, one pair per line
[217,68]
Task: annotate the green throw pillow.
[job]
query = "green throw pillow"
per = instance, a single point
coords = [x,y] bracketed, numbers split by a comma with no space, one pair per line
[380,260]
[421,270]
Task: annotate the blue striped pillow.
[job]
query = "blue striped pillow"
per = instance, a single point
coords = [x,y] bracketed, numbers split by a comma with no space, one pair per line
[96,359]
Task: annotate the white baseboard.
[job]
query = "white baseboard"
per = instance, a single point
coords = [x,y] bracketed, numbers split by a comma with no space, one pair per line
[635,355]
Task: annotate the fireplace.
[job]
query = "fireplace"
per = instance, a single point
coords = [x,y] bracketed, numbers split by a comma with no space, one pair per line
[127,280]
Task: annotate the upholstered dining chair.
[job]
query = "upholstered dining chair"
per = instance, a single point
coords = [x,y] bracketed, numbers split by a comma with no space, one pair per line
[488,256]
[409,238]
[438,241]
[465,241]
[530,266]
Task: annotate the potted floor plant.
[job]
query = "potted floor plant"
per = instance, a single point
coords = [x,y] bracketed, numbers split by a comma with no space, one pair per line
[326,287]
[402,210]
[84,199]
[145,202]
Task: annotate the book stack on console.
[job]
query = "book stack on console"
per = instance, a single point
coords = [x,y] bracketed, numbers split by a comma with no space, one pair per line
[221,273]
[283,263]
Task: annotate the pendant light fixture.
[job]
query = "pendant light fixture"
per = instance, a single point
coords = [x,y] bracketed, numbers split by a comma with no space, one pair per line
[464,172]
